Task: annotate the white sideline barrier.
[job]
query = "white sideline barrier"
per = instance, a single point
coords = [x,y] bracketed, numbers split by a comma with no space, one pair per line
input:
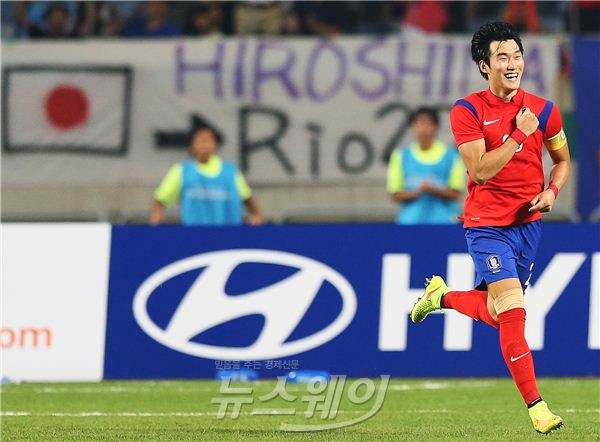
[44,337]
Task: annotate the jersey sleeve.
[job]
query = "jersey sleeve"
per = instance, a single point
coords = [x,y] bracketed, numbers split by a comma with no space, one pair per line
[554,134]
[465,125]
[242,186]
[170,187]
[395,178]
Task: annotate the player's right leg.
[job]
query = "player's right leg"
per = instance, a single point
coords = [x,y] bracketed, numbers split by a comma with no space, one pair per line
[472,303]
[435,288]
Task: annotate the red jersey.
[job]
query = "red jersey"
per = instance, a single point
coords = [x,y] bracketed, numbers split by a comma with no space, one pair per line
[504,199]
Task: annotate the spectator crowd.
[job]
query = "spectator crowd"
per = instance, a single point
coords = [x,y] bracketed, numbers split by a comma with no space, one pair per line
[155,19]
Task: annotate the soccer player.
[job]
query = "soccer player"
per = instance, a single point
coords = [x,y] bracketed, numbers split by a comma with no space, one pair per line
[210,190]
[499,133]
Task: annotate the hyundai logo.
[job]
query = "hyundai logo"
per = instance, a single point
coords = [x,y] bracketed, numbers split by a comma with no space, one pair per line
[282,304]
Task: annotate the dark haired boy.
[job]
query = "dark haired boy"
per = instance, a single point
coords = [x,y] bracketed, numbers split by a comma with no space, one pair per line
[210,190]
[427,177]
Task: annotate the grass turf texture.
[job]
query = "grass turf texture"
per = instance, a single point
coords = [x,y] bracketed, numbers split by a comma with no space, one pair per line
[478,409]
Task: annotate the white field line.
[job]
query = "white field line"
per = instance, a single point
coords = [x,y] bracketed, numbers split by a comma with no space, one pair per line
[256,386]
[473,384]
[424,386]
[106,389]
[271,412]
[440,385]
[155,389]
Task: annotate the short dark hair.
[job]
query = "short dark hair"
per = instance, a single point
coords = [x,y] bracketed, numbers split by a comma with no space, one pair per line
[424,110]
[199,123]
[494,31]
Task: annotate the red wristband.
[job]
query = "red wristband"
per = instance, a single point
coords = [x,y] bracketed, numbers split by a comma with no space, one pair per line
[554,189]
[519,136]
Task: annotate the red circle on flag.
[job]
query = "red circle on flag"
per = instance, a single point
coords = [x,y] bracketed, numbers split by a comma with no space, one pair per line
[67,107]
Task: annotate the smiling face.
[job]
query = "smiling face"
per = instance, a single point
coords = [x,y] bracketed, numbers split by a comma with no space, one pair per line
[505,69]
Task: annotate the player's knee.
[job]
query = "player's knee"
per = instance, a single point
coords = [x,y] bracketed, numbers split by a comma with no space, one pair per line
[509,300]
[491,308]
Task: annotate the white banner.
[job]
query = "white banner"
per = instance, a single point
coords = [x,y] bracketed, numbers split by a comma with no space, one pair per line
[291,110]
[54,298]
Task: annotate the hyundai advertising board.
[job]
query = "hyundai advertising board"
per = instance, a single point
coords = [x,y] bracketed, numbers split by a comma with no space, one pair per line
[184,302]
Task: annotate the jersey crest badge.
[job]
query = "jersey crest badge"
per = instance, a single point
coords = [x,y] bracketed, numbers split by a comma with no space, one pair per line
[494,263]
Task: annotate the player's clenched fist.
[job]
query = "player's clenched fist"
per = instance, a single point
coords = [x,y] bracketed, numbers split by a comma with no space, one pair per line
[527,121]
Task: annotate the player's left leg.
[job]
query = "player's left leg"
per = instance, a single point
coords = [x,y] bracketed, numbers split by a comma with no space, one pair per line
[507,295]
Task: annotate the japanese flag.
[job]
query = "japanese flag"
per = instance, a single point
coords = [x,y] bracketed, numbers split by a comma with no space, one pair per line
[62,108]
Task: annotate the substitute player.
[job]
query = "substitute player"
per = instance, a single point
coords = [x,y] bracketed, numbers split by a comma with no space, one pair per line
[210,190]
[499,133]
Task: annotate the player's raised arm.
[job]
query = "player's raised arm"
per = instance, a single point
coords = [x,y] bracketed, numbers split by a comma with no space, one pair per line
[484,165]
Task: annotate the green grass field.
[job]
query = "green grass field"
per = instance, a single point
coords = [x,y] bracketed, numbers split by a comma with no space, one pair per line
[440,409]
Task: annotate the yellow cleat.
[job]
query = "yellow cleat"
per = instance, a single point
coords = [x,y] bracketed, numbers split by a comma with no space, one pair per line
[544,421]
[435,288]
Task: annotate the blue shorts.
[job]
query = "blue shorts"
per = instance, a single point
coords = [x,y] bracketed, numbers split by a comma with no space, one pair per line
[503,252]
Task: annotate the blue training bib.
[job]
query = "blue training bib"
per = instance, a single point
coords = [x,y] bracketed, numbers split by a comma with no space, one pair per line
[210,200]
[427,209]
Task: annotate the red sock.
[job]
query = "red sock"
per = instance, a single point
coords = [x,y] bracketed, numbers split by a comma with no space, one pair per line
[472,303]
[517,354]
